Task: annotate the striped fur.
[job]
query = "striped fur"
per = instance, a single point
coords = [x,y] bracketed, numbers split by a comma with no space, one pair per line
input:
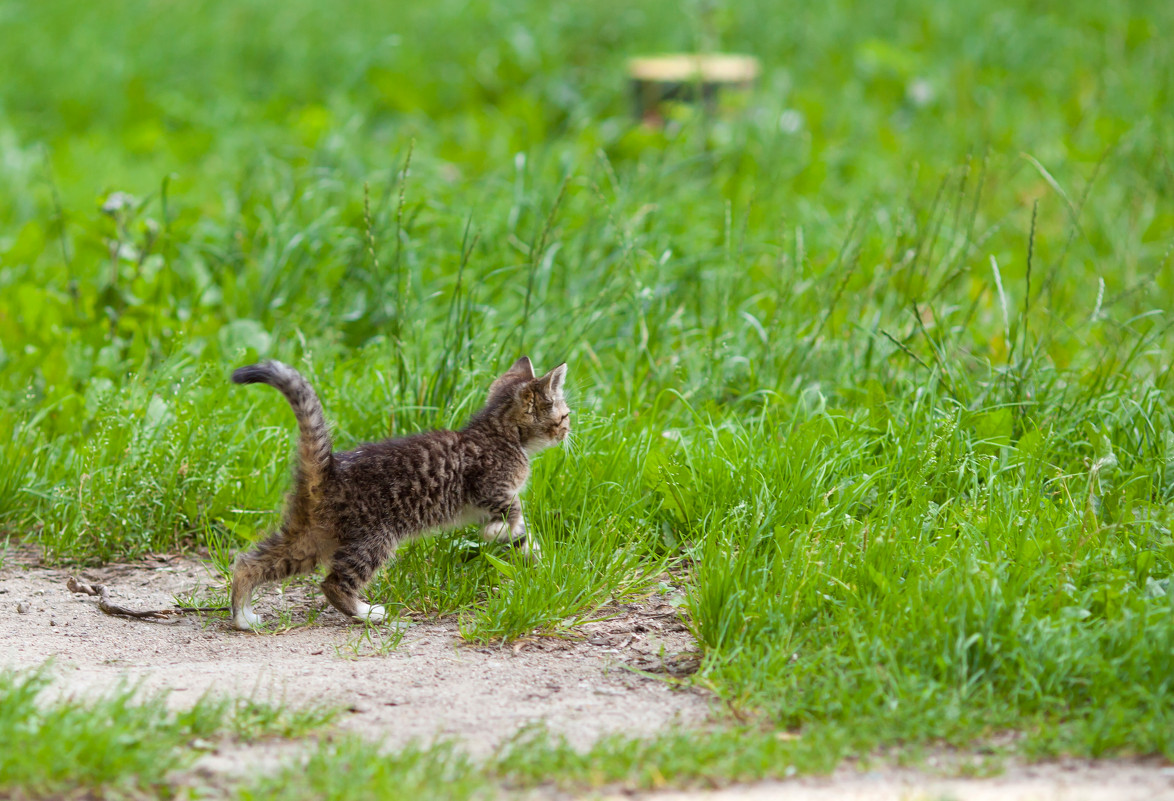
[351,509]
[314,443]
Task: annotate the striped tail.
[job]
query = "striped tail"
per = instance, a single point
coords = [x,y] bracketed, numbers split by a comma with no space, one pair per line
[314,445]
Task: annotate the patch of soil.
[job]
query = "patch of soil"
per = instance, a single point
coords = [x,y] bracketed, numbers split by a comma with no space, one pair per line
[1068,780]
[431,684]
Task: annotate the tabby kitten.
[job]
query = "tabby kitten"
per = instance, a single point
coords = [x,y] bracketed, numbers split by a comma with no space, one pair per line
[351,509]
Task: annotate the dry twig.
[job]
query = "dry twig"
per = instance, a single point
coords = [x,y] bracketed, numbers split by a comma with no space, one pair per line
[109,608]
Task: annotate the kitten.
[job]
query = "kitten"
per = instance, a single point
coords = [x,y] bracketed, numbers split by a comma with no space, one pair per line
[350,510]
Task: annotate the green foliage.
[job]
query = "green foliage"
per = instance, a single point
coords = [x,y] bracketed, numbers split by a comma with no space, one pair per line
[354,769]
[250,720]
[121,744]
[879,368]
[710,758]
[105,750]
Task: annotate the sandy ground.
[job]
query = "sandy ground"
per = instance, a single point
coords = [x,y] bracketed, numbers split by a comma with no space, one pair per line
[433,684]
[1075,780]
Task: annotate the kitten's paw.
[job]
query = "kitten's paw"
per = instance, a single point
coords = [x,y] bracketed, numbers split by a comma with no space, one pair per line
[371,614]
[246,620]
[531,550]
[494,530]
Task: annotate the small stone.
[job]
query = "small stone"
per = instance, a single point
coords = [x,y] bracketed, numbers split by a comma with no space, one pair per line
[22,608]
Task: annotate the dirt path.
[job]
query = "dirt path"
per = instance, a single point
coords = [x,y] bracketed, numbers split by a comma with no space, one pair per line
[1071,780]
[431,684]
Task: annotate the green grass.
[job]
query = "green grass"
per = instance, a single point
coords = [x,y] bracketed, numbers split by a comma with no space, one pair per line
[125,743]
[353,769]
[880,368]
[676,758]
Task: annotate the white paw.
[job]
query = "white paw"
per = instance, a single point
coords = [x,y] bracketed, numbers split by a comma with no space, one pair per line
[371,614]
[246,619]
[494,530]
[531,550]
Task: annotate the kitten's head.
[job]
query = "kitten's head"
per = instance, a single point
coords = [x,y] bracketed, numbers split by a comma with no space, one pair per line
[535,406]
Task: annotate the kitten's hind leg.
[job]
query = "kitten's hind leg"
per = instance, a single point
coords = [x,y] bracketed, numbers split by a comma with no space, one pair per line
[273,559]
[348,575]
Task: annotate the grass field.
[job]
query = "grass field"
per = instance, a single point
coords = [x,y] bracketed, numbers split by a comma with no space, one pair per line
[124,743]
[880,370]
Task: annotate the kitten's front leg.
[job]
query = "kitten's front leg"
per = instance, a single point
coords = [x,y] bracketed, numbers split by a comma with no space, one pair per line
[508,525]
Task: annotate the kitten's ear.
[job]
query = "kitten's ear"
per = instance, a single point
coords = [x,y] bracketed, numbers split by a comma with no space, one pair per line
[553,381]
[522,367]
